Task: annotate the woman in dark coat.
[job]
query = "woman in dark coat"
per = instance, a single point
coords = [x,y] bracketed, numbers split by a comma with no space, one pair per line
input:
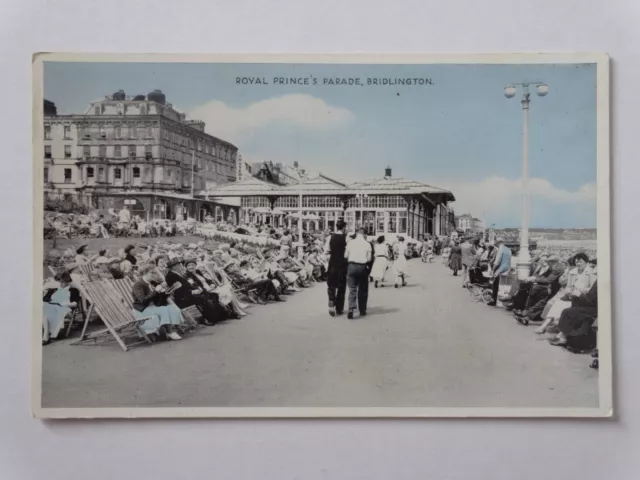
[202,286]
[455,258]
[577,320]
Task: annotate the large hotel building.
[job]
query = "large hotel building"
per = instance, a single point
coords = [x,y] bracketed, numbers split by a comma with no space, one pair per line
[141,152]
[137,151]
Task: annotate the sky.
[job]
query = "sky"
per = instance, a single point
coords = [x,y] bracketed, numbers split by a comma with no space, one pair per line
[458,132]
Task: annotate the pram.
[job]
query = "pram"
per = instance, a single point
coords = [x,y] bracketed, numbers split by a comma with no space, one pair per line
[480,286]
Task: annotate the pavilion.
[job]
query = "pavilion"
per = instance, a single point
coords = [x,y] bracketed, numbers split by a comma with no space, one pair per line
[382,206]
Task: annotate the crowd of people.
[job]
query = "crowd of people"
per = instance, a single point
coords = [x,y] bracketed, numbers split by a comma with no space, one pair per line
[560,293]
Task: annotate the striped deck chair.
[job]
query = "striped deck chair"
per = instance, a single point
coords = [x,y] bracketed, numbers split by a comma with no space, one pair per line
[223,279]
[88,270]
[113,302]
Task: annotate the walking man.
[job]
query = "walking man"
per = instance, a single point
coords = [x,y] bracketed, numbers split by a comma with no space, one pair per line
[501,265]
[337,269]
[358,256]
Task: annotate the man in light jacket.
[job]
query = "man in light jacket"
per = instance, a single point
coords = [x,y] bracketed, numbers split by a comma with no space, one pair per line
[501,265]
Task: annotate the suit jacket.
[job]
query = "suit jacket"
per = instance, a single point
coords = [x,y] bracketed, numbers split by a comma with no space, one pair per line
[551,278]
[182,296]
[143,296]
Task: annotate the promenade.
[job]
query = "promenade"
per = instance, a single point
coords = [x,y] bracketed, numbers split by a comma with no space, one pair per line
[428,344]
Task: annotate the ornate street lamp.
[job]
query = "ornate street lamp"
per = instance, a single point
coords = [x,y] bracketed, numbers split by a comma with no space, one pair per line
[524,257]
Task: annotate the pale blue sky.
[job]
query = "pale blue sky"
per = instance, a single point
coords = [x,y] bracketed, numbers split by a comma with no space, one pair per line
[459,133]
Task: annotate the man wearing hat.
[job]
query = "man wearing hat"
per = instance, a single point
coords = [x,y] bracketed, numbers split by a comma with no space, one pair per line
[501,265]
[543,286]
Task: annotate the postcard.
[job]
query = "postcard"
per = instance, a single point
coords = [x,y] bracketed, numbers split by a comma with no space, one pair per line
[321,236]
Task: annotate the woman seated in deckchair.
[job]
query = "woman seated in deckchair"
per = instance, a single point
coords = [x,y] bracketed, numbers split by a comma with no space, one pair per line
[56,305]
[150,299]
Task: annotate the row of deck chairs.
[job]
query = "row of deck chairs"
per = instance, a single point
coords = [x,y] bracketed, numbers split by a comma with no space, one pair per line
[112,301]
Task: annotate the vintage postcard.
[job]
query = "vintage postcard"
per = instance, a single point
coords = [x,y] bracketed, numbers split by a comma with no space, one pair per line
[321,236]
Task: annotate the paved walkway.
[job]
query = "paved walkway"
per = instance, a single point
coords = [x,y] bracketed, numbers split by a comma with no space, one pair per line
[427,344]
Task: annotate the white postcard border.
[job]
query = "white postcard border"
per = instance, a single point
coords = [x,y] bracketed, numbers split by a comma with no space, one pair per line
[605,408]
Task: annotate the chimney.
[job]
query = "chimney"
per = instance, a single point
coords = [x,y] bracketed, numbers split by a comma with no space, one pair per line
[387,172]
[295,164]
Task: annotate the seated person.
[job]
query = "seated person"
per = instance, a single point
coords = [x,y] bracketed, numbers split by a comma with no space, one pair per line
[57,303]
[150,299]
[576,322]
[541,288]
[575,282]
[202,292]
[246,278]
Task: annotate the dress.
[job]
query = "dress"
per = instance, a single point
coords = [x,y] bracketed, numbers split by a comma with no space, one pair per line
[455,258]
[380,263]
[579,283]
[54,315]
[400,262]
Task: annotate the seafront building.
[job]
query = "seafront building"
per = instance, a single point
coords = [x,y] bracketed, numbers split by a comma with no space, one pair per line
[139,151]
[382,206]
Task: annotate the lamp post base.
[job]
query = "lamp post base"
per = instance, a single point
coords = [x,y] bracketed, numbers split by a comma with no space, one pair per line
[523,265]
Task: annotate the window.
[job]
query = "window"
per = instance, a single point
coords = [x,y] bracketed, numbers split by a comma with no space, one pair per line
[67,175]
[117,151]
[147,174]
[380,222]
[393,222]
[132,131]
[143,109]
[219,217]
[118,132]
[102,151]
[89,172]
[117,173]
[46,174]
[47,132]
[136,172]
[96,110]
[101,174]
[402,224]
[86,151]
[103,132]
[67,132]
[169,174]
[132,151]
[147,152]
[149,132]
[67,151]
[47,151]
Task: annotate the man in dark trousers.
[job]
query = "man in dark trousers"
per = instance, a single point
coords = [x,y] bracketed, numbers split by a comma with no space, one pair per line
[337,271]
[358,254]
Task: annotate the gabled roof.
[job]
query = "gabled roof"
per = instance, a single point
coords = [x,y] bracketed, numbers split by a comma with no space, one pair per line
[324,185]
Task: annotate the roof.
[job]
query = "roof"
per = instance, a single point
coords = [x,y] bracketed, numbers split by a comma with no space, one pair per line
[324,185]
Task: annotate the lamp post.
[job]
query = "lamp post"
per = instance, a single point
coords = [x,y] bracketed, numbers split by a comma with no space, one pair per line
[524,257]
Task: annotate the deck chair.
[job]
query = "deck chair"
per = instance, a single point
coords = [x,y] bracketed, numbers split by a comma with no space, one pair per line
[223,279]
[113,302]
[88,270]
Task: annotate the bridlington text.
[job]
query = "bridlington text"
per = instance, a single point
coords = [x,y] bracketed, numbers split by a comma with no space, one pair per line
[336,81]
